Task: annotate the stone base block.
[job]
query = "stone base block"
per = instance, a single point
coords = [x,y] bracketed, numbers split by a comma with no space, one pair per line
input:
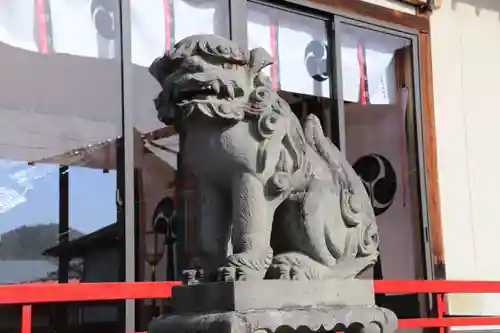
[347,318]
[270,294]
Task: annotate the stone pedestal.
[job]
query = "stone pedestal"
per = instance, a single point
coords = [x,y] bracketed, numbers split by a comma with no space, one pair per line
[276,305]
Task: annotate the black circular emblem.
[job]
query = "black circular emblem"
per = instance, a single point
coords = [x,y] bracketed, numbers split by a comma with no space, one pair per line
[379,179]
[164,219]
[104,17]
[316,61]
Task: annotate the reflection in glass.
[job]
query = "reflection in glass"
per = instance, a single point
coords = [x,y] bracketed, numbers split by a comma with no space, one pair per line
[87,28]
[160,179]
[157,24]
[379,114]
[154,247]
[380,130]
[60,117]
[300,72]
[369,62]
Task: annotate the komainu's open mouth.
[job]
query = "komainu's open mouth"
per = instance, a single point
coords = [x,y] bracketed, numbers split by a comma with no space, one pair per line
[212,91]
[195,93]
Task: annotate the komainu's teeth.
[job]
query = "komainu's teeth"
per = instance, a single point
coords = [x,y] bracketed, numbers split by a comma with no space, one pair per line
[230,90]
[205,109]
[216,86]
[190,109]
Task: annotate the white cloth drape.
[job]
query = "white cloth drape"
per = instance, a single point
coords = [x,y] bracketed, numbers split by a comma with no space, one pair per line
[296,34]
[294,41]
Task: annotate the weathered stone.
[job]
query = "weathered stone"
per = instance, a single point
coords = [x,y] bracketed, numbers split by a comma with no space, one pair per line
[271,294]
[281,196]
[352,319]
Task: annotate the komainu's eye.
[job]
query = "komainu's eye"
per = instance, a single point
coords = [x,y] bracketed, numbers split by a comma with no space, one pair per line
[227,65]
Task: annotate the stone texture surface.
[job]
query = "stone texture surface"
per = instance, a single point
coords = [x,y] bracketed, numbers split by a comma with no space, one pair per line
[271,294]
[351,319]
[276,306]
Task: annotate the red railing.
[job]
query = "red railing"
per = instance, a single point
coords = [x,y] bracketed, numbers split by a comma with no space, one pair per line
[26,295]
[439,288]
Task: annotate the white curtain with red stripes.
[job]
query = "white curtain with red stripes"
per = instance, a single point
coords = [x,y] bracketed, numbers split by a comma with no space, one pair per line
[79,27]
[72,91]
[298,45]
[157,24]
[89,28]
[379,64]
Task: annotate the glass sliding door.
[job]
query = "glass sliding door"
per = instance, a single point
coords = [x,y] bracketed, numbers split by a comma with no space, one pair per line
[164,191]
[60,125]
[381,114]
[358,78]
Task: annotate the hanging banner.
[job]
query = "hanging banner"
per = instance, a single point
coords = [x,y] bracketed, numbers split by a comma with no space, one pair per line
[297,45]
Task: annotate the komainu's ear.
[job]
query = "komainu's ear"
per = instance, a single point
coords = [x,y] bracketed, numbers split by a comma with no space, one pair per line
[259,58]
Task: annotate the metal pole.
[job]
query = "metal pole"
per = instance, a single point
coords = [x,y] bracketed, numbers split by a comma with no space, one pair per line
[63,240]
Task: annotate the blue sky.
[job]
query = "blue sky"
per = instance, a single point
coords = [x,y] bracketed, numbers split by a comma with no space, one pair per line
[92,196]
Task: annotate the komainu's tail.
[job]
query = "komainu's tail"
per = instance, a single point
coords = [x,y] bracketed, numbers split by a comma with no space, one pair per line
[356,207]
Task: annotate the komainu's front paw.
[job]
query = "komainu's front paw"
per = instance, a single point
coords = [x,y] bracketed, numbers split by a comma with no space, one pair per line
[279,271]
[192,276]
[232,274]
[295,266]
[285,271]
[245,266]
[226,274]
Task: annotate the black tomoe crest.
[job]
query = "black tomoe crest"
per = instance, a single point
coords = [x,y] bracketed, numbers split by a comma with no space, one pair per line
[105,18]
[315,59]
[379,179]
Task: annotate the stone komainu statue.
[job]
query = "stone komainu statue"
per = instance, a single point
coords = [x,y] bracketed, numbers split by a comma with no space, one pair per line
[282,197]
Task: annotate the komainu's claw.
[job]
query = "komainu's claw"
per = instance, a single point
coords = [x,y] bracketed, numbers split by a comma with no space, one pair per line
[226,274]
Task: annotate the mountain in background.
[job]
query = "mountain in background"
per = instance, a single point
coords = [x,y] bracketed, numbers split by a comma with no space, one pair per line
[29,242]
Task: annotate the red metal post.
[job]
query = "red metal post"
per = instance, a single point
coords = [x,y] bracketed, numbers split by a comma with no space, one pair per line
[440,307]
[26,319]
[68,292]
[435,286]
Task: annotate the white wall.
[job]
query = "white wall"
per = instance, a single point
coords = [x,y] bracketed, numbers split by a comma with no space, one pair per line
[465,53]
